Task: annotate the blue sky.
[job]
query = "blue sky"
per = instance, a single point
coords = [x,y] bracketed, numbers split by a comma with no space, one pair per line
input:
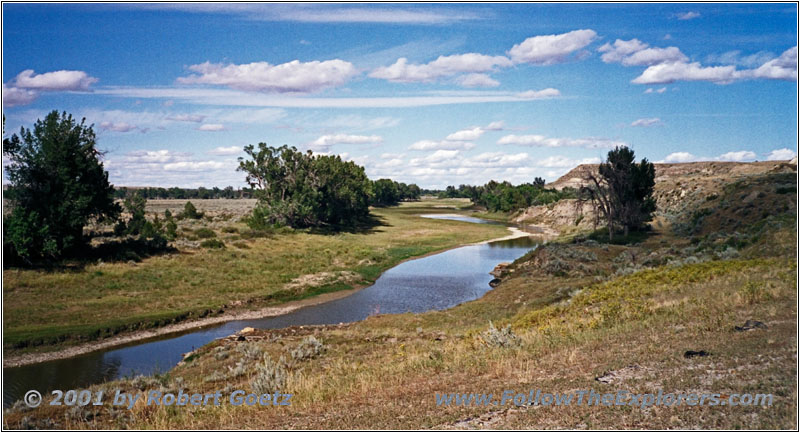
[439,94]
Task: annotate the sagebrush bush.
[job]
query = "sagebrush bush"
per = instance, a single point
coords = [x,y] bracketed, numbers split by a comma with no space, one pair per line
[494,337]
[309,348]
[270,376]
[250,351]
[205,233]
[212,243]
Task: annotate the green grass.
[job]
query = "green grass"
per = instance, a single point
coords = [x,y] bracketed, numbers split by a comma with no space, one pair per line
[100,300]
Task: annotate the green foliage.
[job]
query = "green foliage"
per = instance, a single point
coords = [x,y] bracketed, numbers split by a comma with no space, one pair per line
[190,212]
[505,197]
[58,184]
[205,233]
[302,190]
[212,243]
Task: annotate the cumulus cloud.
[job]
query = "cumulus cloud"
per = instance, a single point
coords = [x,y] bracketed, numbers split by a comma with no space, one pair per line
[679,71]
[564,162]
[211,127]
[637,53]
[13,96]
[28,85]
[496,126]
[738,156]
[781,68]
[466,134]
[231,150]
[444,66]
[688,15]
[332,139]
[54,81]
[652,121]
[679,157]
[542,141]
[539,94]
[194,165]
[477,80]
[651,90]
[291,77]
[781,155]
[166,167]
[551,49]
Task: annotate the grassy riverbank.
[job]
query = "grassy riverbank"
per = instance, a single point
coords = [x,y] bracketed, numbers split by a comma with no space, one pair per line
[76,305]
[658,314]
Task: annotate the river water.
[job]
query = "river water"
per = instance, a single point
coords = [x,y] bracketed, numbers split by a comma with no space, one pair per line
[435,282]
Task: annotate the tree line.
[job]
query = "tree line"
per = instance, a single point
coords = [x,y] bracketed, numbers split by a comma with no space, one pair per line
[184,193]
[505,197]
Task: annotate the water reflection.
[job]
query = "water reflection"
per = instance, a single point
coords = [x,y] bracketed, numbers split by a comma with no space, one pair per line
[432,283]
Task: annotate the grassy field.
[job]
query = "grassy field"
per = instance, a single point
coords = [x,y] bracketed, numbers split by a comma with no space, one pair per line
[104,299]
[581,315]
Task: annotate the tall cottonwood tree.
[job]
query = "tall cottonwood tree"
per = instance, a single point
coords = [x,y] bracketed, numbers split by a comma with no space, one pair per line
[621,191]
[58,184]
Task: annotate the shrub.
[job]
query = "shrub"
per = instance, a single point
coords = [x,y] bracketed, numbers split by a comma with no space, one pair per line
[309,348]
[189,211]
[270,376]
[212,243]
[494,337]
[230,229]
[205,233]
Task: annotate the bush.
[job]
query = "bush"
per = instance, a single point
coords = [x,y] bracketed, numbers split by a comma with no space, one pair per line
[494,337]
[205,233]
[230,229]
[309,348]
[270,376]
[212,244]
[190,212]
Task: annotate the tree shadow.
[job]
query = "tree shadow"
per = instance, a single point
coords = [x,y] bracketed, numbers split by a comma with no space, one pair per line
[118,250]
[365,226]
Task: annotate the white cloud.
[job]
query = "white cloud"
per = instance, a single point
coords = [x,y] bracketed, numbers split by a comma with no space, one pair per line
[678,71]
[13,96]
[539,94]
[688,15]
[781,155]
[356,122]
[637,53]
[542,141]
[651,90]
[332,139]
[196,118]
[211,127]
[477,80]
[735,57]
[496,126]
[679,157]
[441,145]
[781,68]
[388,155]
[54,81]
[466,134]
[551,49]
[652,121]
[444,66]
[293,76]
[117,127]
[738,156]
[194,166]
[231,150]
[564,162]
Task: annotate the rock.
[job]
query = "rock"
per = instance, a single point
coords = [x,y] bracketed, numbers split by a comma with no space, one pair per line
[499,269]
[246,330]
[495,282]
[629,372]
[750,325]
[241,338]
[693,353]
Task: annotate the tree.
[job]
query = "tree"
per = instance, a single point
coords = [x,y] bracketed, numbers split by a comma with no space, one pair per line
[58,185]
[385,193]
[622,191]
[302,190]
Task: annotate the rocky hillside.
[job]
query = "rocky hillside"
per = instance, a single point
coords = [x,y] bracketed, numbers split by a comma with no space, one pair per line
[679,188]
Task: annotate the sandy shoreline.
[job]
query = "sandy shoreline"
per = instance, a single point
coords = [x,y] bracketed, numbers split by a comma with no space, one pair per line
[34,358]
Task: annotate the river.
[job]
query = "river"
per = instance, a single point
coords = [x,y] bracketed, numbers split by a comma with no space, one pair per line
[435,282]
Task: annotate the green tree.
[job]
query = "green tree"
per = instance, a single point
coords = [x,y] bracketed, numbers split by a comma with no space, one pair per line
[384,193]
[58,185]
[622,191]
[302,190]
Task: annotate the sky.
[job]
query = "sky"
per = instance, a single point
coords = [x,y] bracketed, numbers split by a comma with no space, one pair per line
[432,94]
